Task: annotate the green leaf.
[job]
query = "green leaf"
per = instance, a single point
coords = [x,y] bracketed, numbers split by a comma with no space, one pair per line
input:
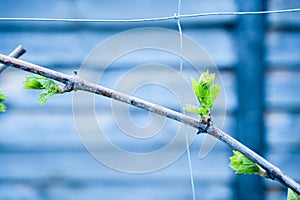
[292,195]
[2,98]
[215,90]
[42,83]
[39,82]
[44,96]
[243,165]
[2,107]
[207,78]
[206,92]
[195,88]
[192,108]
[32,82]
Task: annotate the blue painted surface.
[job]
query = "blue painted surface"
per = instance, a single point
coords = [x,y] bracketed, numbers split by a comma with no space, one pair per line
[41,155]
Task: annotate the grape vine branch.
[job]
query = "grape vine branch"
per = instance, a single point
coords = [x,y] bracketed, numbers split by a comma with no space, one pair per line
[75,83]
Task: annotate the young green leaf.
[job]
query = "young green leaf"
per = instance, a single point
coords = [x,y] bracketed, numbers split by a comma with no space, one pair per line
[2,107]
[2,98]
[195,88]
[215,90]
[41,83]
[292,195]
[243,165]
[32,82]
[44,96]
[192,108]
[206,92]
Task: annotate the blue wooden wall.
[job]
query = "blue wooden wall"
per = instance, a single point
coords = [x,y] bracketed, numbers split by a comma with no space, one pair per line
[41,155]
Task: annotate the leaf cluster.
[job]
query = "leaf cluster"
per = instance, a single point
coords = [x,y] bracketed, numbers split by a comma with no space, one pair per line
[38,82]
[241,164]
[2,98]
[206,92]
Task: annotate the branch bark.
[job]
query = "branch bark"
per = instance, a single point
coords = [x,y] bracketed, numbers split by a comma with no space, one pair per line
[75,83]
[16,53]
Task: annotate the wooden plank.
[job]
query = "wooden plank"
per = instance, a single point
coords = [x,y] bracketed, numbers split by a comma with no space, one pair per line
[69,49]
[115,9]
[36,9]
[250,73]
[286,20]
[276,195]
[275,190]
[282,131]
[111,9]
[113,190]
[282,90]
[82,166]
[282,49]
[54,132]
[38,132]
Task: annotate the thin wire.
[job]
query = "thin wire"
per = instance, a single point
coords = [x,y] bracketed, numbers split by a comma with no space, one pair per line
[181,94]
[177,16]
[186,136]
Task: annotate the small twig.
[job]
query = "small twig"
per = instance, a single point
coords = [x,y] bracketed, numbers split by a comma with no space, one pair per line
[75,83]
[16,53]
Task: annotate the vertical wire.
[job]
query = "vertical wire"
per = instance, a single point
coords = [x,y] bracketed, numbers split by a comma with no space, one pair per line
[181,94]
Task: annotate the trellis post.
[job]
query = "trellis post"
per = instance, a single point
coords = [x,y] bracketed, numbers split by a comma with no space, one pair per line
[250,87]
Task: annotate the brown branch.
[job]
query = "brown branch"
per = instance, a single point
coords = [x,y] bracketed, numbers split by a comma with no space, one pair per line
[75,83]
[16,53]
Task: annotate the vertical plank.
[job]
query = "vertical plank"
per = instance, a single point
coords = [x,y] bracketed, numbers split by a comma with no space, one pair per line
[250,81]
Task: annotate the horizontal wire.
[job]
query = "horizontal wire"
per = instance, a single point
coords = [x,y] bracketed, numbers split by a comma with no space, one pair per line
[175,16]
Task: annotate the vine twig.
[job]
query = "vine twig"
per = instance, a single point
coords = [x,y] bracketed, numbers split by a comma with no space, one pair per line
[16,53]
[75,83]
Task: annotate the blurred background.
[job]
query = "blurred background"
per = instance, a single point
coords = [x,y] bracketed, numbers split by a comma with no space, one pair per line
[41,155]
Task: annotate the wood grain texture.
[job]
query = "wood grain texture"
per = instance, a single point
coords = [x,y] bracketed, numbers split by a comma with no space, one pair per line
[49,149]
